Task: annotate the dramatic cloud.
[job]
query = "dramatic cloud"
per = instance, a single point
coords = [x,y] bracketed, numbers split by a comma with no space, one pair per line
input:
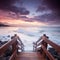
[11,5]
[53,4]
[47,11]
[52,17]
[47,17]
[49,5]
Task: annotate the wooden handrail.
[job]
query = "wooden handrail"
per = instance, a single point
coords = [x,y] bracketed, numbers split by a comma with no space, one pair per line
[13,43]
[54,45]
[44,47]
[47,53]
[4,47]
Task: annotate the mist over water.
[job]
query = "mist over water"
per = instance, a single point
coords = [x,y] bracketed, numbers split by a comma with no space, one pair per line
[28,35]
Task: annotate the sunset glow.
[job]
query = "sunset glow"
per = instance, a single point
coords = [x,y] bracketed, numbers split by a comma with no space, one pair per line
[23,23]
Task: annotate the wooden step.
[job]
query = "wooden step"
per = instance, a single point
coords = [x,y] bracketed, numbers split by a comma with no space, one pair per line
[29,56]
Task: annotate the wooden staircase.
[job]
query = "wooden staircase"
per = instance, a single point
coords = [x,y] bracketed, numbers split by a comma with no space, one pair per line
[41,55]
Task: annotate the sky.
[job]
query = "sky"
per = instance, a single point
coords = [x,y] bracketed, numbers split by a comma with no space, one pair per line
[30,12]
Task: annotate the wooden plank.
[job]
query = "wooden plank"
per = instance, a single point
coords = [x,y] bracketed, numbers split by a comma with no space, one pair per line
[29,56]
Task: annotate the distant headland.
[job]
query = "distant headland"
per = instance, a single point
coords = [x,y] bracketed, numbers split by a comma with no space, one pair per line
[4,25]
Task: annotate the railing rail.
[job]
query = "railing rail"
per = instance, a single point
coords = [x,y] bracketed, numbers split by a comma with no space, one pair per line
[54,45]
[4,47]
[43,47]
[13,44]
[45,52]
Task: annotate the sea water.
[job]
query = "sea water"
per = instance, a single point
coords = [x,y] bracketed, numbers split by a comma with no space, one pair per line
[28,35]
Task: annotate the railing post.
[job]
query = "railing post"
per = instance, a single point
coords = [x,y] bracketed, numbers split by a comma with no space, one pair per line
[34,46]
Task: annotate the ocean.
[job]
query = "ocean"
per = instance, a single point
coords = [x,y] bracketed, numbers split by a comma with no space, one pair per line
[28,35]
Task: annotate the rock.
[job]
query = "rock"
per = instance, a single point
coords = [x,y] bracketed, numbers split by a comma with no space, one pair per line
[1,43]
[54,53]
[2,58]
[7,53]
[8,36]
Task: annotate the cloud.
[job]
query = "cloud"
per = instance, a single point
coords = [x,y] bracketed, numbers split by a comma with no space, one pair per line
[10,5]
[53,5]
[48,18]
[42,8]
[21,10]
[49,5]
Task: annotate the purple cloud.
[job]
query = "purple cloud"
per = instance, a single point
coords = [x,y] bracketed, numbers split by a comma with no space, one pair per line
[41,10]
[8,5]
[53,4]
[46,5]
